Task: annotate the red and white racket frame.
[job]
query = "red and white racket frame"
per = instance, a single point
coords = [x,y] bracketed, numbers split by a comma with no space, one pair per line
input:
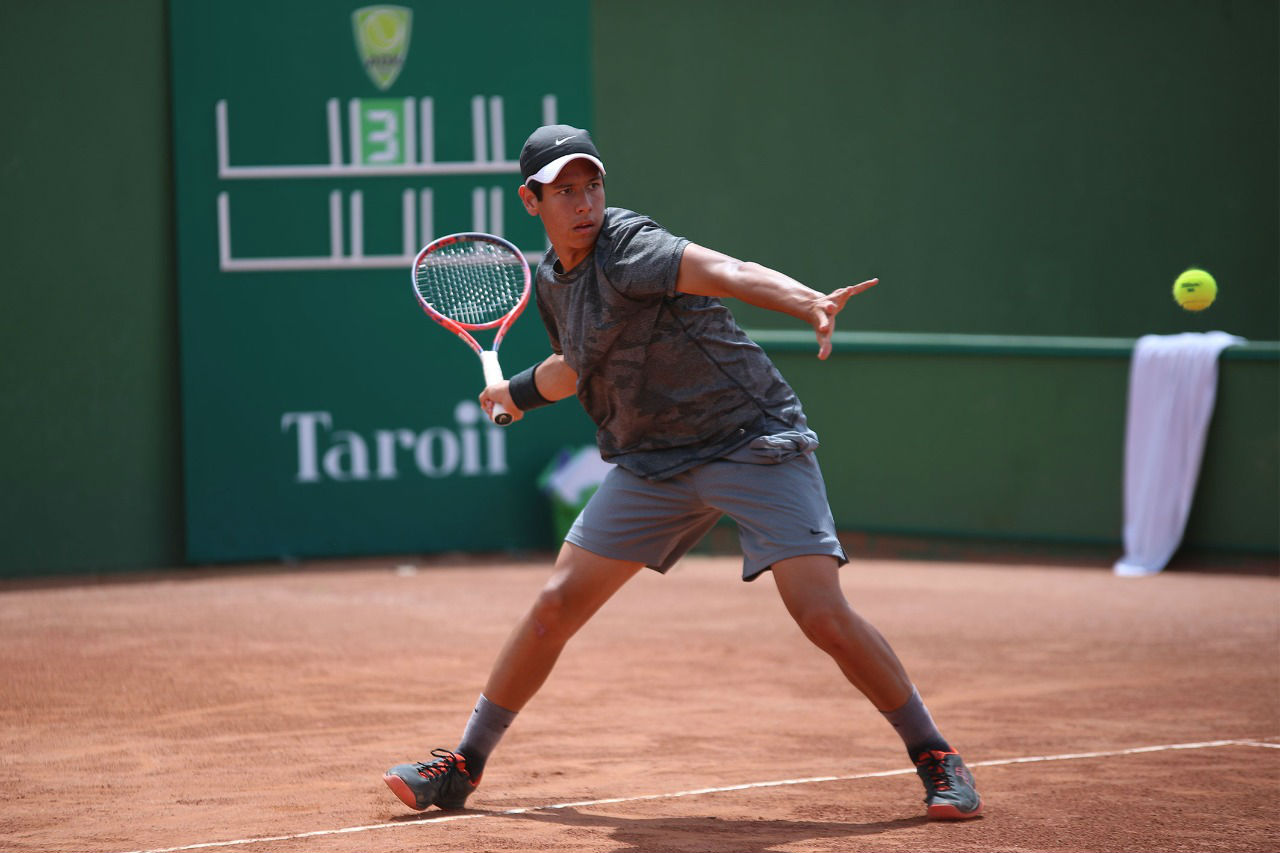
[488,357]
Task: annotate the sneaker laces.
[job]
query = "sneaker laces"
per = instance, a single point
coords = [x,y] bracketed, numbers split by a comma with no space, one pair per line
[934,764]
[445,762]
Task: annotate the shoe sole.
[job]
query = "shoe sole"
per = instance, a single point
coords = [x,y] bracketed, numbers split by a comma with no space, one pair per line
[401,789]
[945,811]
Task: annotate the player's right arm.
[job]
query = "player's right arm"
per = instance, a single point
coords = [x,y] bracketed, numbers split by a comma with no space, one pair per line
[706,272]
[554,380]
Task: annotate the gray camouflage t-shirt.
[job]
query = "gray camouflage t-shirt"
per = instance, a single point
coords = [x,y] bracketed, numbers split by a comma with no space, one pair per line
[669,378]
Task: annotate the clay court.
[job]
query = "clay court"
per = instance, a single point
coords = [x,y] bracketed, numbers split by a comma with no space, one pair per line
[255,709]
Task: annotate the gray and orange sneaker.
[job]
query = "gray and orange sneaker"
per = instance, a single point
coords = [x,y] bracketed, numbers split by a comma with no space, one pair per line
[949,792]
[444,782]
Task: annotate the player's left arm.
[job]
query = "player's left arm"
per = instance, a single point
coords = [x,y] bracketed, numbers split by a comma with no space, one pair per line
[706,272]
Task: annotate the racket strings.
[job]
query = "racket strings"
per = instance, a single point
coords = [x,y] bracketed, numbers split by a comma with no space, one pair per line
[470,281]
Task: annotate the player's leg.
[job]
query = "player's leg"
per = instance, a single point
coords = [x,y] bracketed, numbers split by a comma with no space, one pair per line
[581,583]
[636,523]
[786,524]
[633,521]
[811,591]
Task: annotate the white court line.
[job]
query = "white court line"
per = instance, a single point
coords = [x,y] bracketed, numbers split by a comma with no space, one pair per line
[448,818]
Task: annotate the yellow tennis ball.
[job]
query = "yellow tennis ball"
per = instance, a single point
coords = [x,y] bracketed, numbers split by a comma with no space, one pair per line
[1195,290]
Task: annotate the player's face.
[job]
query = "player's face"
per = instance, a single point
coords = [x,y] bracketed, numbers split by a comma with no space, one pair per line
[572,210]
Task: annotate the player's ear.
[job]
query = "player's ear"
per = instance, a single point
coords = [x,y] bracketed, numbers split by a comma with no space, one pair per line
[530,200]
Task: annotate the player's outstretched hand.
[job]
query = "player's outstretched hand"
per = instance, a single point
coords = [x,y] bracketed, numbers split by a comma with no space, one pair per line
[825,311]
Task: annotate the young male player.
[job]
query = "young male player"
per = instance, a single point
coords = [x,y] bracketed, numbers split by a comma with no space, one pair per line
[699,423]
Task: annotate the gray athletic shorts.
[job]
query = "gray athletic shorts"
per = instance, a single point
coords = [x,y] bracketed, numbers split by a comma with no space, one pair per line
[781,510]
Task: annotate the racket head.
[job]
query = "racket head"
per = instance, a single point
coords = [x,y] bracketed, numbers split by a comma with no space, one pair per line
[472,281]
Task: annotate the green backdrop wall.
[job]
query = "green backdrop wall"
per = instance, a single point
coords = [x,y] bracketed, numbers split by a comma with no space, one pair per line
[323,412]
[1012,168]
[91,471]
[1007,169]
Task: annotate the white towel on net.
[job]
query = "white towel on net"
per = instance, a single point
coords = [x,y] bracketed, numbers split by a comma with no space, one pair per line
[1172,384]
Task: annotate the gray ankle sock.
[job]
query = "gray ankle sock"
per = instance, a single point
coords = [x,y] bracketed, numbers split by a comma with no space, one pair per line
[915,726]
[486,727]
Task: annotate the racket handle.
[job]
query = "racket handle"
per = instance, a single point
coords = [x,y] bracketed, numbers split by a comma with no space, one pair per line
[492,376]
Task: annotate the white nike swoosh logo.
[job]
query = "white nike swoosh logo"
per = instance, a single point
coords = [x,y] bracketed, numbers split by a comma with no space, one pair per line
[566,139]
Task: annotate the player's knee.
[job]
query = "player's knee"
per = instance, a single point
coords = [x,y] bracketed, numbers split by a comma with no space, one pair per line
[826,627]
[552,616]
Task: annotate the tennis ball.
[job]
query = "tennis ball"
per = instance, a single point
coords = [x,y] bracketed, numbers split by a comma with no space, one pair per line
[1195,290]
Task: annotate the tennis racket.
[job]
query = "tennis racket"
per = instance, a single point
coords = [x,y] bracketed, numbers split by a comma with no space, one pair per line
[470,282]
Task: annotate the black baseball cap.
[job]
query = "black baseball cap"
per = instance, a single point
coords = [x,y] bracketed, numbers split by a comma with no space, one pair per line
[549,148]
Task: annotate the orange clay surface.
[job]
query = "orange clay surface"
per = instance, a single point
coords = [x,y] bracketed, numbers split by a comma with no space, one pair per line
[260,706]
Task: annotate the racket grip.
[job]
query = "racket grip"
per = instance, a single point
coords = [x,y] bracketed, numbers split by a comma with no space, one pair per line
[492,376]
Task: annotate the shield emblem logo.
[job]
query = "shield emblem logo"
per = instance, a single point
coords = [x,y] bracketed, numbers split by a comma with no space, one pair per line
[382,40]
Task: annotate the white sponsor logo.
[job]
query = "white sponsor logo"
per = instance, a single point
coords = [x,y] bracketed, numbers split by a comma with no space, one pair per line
[566,139]
[472,447]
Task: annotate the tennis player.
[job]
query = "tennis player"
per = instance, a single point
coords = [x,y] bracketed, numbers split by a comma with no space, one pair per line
[700,424]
